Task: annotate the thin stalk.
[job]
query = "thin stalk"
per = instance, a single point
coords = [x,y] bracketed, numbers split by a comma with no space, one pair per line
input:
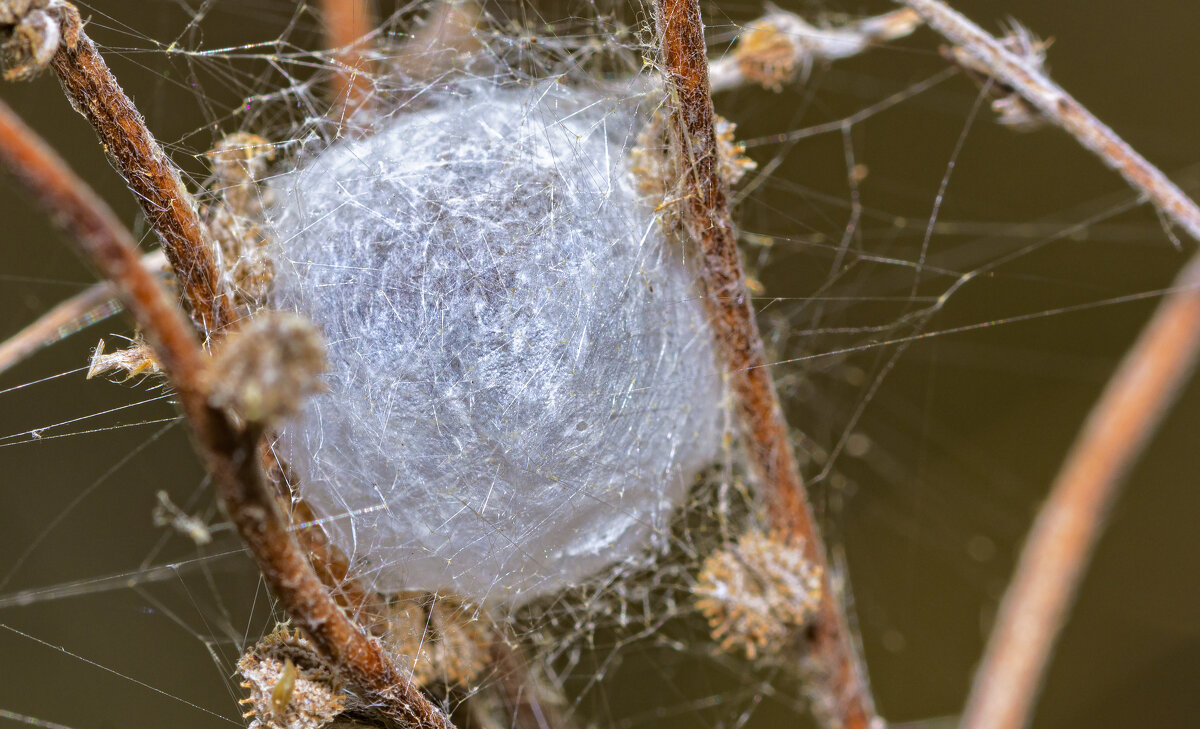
[1059,546]
[168,206]
[836,673]
[89,306]
[1059,107]
[231,454]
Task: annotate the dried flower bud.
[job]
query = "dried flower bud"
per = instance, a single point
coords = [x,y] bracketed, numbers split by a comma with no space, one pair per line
[757,591]
[264,371]
[236,217]
[438,638]
[290,686]
[30,34]
[655,168]
[782,46]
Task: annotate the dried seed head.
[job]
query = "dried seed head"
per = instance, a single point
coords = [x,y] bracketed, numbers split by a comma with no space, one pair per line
[240,158]
[291,687]
[264,370]
[29,38]
[755,593]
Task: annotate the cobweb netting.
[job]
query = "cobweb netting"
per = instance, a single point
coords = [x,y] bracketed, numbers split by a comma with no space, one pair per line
[524,456]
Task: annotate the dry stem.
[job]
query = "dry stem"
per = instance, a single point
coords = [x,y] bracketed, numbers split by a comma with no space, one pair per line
[1069,523]
[1060,544]
[89,306]
[845,699]
[66,316]
[232,455]
[1060,108]
[167,204]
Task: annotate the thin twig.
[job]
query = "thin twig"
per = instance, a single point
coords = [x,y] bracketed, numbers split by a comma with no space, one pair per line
[83,309]
[1060,108]
[90,306]
[781,47]
[1060,544]
[232,454]
[133,151]
[330,564]
[839,681]
[347,23]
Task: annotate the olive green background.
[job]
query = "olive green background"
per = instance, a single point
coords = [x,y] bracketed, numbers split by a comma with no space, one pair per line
[965,433]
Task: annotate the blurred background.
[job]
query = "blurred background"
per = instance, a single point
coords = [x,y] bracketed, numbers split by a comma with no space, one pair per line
[928,459]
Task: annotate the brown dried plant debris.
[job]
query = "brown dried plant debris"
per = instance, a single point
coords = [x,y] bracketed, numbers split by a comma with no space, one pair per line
[438,639]
[136,360]
[781,47]
[166,513]
[291,687]
[30,34]
[264,370]
[236,220]
[758,592]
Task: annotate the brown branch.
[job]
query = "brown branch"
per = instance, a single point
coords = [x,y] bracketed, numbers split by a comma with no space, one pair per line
[109,247]
[330,564]
[839,681]
[232,455]
[1060,544]
[347,23]
[66,317]
[137,156]
[1060,108]
[82,310]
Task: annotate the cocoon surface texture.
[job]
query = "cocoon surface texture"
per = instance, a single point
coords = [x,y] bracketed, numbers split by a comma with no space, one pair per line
[522,383]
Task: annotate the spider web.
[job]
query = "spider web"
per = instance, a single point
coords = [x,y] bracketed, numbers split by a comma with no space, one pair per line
[935,293]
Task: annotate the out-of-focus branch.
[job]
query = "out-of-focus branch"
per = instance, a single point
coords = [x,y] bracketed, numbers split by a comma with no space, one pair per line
[780,47]
[231,453]
[1060,108]
[836,675]
[347,24]
[94,304]
[1060,544]
[87,307]
[109,247]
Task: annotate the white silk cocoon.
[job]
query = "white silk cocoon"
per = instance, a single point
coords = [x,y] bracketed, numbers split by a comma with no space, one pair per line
[522,385]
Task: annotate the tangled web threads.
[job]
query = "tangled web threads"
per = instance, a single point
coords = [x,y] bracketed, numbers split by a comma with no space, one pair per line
[521,384]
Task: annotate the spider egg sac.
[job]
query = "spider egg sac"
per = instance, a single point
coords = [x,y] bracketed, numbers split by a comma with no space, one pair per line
[522,386]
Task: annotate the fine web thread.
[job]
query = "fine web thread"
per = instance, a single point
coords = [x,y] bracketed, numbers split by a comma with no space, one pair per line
[546,113]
